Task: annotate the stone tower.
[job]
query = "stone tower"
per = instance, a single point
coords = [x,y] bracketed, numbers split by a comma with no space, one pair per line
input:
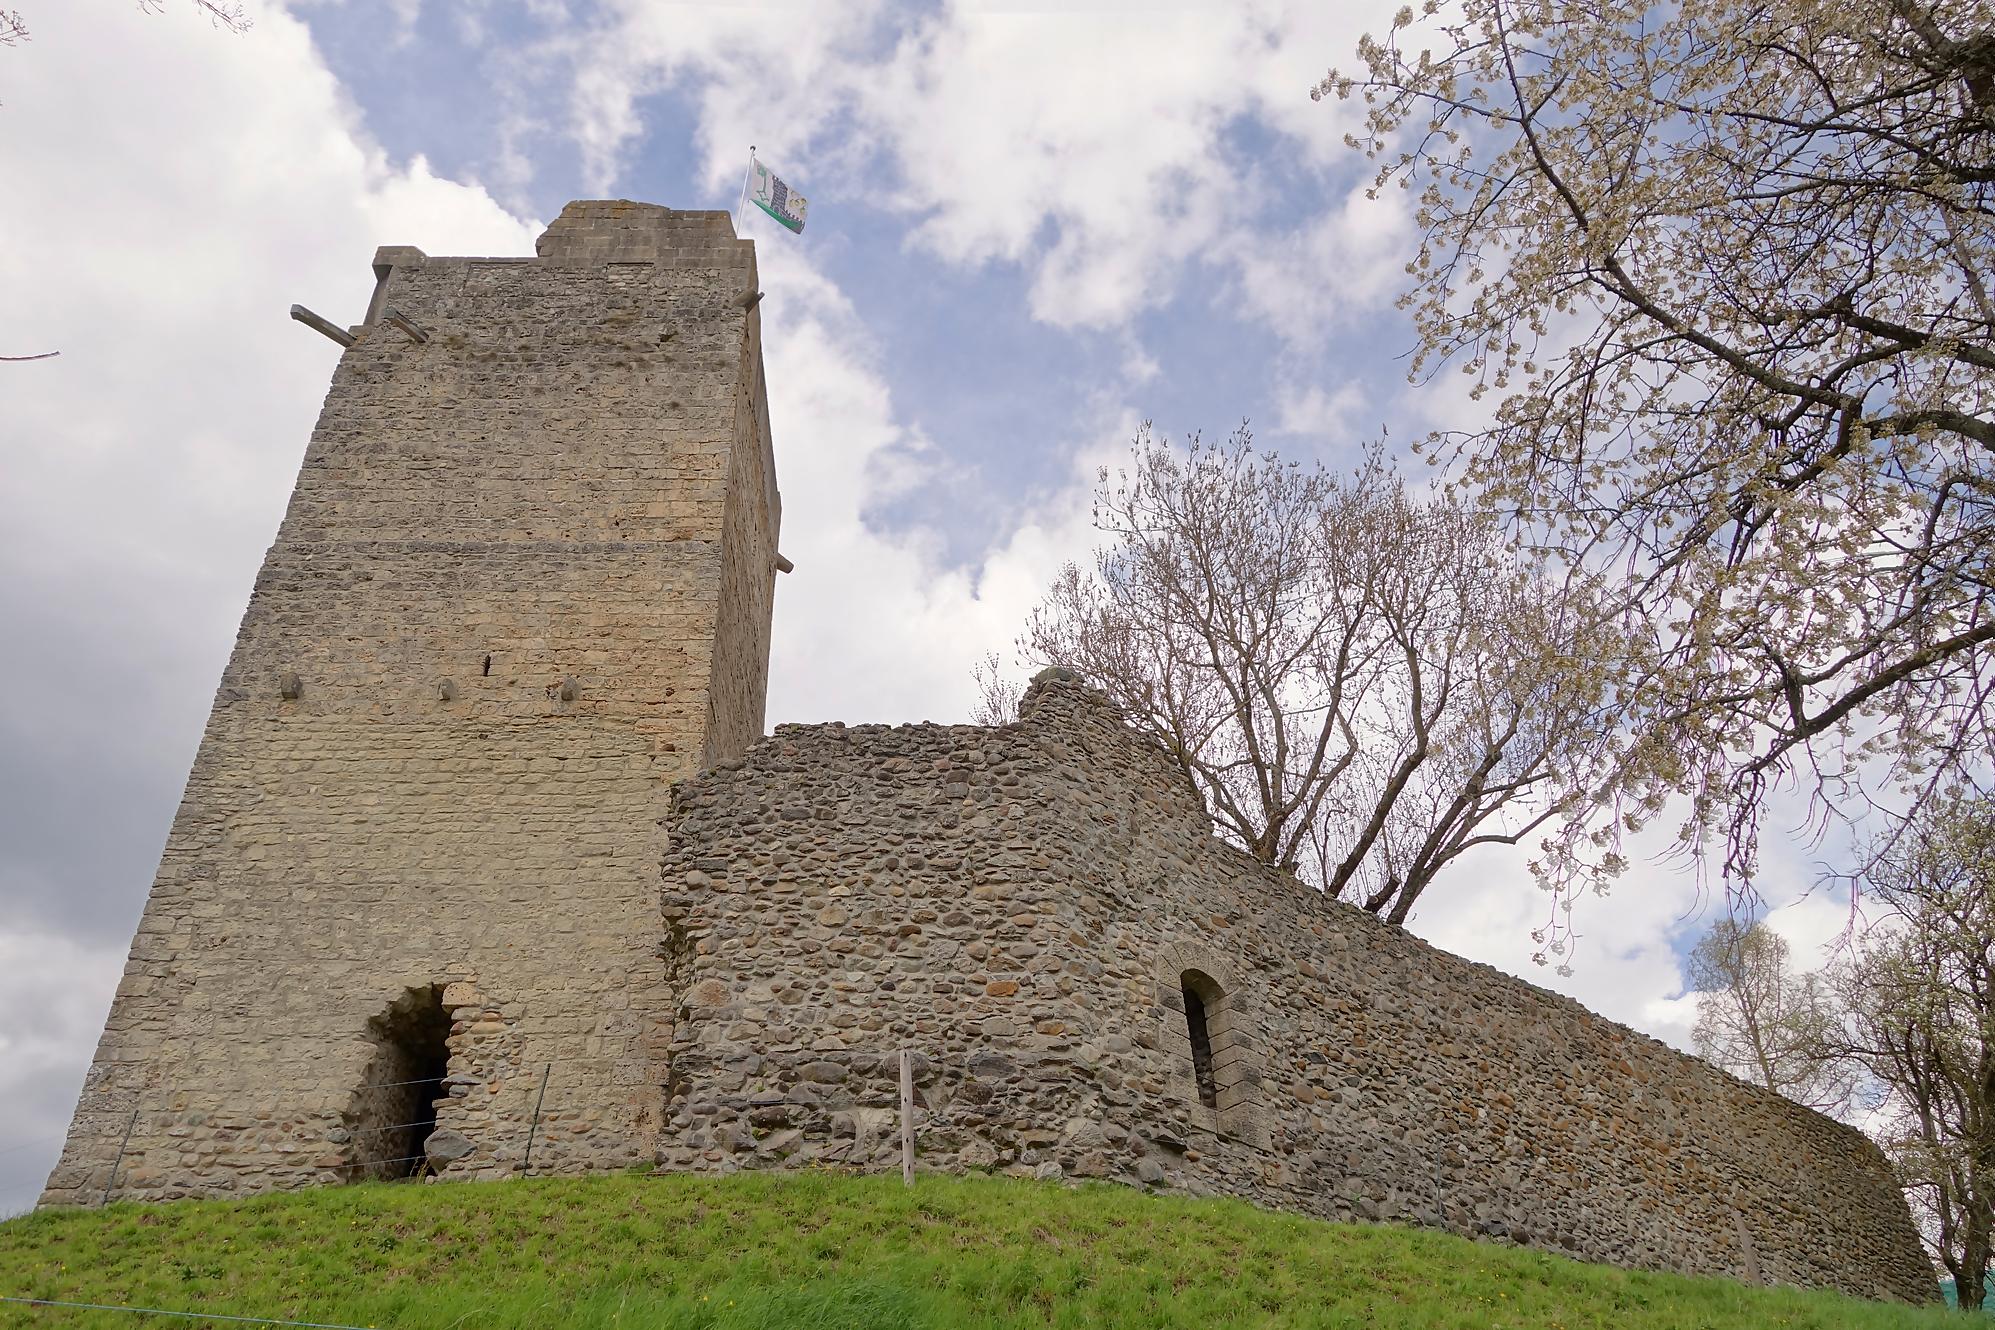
[524,584]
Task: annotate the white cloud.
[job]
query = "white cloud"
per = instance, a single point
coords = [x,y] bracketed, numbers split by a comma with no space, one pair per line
[771,74]
[1328,273]
[1081,143]
[54,993]
[833,419]
[406,13]
[1138,365]
[1813,926]
[1628,943]
[1313,412]
[1087,145]
[1623,965]
[1092,149]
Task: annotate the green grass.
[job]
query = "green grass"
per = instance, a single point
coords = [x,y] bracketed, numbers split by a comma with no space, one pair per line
[819,1249]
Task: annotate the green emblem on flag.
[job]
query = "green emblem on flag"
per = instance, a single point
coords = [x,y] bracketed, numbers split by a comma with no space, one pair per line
[774,197]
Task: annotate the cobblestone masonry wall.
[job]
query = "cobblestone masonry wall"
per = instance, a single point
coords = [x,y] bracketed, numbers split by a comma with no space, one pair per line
[1022,906]
[476,656]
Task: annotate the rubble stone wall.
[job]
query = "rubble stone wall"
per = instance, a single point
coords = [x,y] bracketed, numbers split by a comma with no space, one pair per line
[1021,907]
[476,657]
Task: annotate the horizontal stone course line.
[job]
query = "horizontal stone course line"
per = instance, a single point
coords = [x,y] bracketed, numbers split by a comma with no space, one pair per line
[299,551]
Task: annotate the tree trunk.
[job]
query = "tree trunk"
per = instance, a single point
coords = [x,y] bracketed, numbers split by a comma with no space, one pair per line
[1971,1289]
[1970,1281]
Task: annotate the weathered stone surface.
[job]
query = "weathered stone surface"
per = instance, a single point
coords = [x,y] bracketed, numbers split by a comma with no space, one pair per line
[390,906]
[564,503]
[1023,905]
[447,1147]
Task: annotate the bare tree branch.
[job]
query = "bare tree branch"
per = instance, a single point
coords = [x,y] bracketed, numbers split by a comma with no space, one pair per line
[14,29]
[221,14]
[1364,685]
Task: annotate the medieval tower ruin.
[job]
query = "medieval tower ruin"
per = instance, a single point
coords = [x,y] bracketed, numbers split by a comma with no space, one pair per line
[523,585]
[485,866]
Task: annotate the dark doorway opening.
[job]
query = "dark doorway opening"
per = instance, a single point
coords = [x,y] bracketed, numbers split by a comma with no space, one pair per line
[1201,1046]
[394,1107]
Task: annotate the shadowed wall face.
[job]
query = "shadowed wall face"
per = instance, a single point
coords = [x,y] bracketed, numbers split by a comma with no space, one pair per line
[393,1113]
[1200,1035]
[480,650]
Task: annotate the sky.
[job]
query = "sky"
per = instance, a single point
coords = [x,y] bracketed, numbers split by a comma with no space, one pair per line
[1033,226]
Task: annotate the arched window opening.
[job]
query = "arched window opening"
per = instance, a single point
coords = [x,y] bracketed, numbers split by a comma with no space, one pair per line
[1201,1047]
[394,1107]
[1214,1069]
[1208,1024]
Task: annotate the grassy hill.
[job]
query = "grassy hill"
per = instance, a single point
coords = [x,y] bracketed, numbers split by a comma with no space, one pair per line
[820,1249]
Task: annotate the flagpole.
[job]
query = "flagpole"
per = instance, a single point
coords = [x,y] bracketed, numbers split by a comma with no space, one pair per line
[743,201]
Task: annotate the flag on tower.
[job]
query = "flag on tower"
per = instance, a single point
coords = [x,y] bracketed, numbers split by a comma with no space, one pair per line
[772,196]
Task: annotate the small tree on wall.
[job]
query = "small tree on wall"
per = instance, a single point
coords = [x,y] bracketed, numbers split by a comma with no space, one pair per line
[1364,684]
[998,694]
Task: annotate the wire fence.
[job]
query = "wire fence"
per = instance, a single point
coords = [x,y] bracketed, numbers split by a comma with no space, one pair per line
[509,1066]
[177,1315]
[346,1139]
[21,1172]
[421,1161]
[346,1136]
[27,1145]
[138,1118]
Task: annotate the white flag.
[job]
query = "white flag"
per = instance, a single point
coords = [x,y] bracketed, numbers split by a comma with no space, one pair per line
[777,199]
